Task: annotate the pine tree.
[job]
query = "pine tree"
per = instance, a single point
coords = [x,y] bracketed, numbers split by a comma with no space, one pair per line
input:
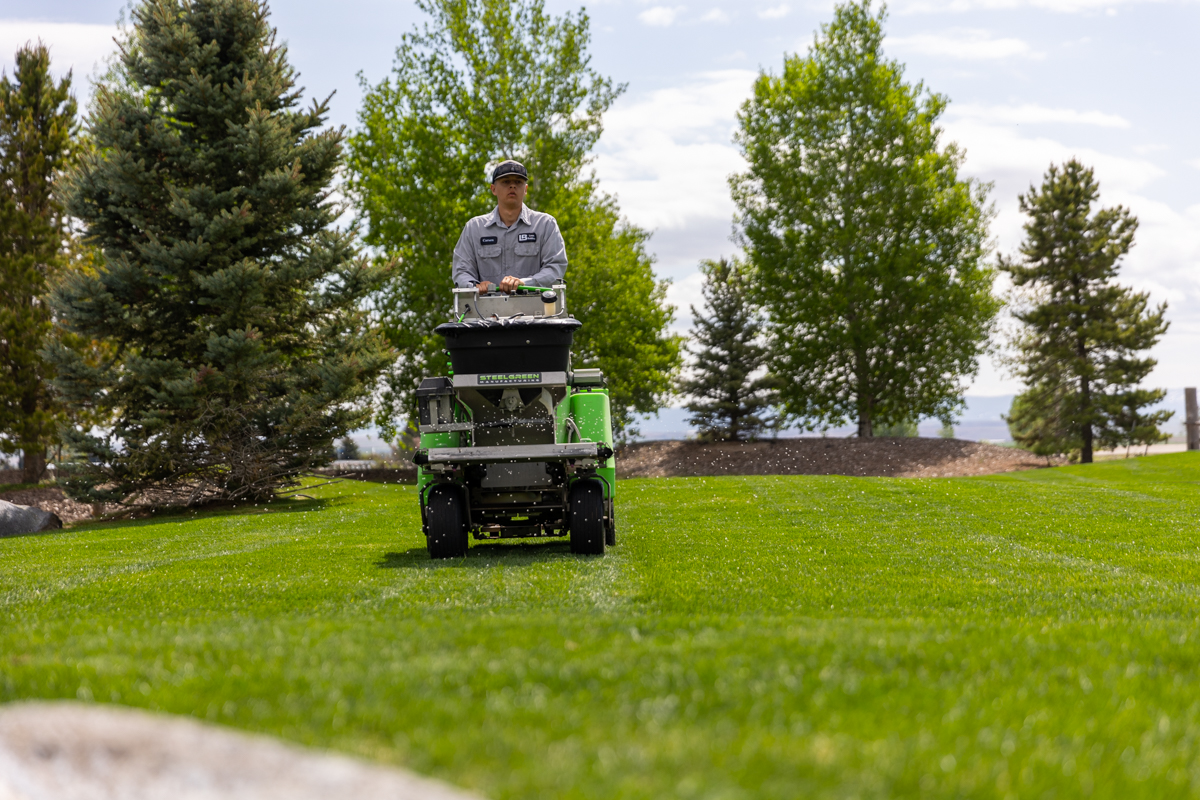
[1129,424]
[241,347]
[728,401]
[1039,419]
[1082,332]
[348,450]
[37,131]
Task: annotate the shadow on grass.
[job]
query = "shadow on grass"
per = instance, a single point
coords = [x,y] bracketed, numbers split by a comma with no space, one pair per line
[483,555]
[178,514]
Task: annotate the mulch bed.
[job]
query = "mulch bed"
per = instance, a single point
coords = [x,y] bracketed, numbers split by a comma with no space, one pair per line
[880,457]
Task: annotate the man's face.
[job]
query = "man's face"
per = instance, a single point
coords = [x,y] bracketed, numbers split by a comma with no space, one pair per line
[510,190]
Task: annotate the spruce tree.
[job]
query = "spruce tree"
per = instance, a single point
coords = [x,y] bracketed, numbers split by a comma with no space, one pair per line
[1078,349]
[235,308]
[37,130]
[727,399]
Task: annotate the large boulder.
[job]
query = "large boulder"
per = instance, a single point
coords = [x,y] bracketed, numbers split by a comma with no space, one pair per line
[16,520]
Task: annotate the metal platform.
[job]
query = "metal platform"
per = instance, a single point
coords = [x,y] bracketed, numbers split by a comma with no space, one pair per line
[596,451]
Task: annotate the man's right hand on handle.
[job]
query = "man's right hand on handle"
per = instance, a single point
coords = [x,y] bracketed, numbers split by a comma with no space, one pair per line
[508,285]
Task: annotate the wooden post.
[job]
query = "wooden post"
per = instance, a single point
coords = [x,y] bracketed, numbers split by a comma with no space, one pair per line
[1193,419]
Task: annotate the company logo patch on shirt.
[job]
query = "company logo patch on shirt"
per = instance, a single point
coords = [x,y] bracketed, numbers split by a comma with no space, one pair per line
[526,237]
[488,240]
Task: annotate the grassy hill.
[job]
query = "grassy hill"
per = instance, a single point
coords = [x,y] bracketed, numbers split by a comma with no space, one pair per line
[1023,635]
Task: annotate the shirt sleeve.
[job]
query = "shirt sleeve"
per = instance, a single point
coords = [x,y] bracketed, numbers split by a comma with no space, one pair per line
[554,258]
[465,271]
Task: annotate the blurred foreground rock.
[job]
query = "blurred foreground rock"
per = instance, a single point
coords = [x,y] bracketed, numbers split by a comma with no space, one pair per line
[16,520]
[61,751]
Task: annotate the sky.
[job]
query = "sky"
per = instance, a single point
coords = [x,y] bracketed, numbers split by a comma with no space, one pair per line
[1030,83]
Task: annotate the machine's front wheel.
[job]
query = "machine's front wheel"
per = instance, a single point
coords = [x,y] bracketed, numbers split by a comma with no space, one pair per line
[587,518]
[447,535]
[610,527]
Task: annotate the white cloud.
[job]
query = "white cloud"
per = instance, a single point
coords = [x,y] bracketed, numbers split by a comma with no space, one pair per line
[82,48]
[777,12]
[667,153]
[963,43]
[1165,259]
[716,15]
[1000,153]
[660,16]
[1029,114]
[1195,162]
[1060,6]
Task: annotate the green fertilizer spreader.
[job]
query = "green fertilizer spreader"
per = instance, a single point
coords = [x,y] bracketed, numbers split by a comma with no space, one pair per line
[514,443]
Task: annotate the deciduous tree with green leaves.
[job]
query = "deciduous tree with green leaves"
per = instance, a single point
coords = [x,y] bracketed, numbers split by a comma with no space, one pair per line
[869,246]
[38,129]
[1078,348]
[480,82]
[234,307]
[730,393]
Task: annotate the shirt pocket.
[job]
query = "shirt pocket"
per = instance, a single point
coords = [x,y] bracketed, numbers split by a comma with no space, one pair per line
[526,249]
[489,251]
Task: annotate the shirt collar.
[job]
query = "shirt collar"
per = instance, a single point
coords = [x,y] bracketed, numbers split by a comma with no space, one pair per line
[494,217]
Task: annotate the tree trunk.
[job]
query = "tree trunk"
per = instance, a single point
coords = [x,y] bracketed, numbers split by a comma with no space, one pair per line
[1085,393]
[1085,386]
[34,466]
[865,423]
[866,401]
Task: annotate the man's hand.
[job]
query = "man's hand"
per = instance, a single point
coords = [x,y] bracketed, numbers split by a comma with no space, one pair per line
[483,287]
[510,284]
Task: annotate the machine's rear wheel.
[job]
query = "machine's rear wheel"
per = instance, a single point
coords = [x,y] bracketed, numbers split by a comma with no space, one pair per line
[447,536]
[610,527]
[587,518]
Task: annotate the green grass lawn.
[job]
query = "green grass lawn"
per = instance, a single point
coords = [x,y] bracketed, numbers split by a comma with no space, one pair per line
[1025,635]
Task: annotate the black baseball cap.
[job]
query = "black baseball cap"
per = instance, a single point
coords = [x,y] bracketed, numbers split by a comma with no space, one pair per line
[510,167]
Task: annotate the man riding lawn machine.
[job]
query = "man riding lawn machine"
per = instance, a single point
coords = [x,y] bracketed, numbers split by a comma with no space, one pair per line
[514,443]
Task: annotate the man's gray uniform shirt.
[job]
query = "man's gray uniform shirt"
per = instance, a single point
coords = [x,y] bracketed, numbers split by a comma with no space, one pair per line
[531,249]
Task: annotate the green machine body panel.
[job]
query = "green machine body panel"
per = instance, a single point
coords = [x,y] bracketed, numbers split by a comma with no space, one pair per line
[592,415]
[452,439]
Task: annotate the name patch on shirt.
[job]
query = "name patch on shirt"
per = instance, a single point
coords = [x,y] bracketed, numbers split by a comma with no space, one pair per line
[526,237]
[488,240]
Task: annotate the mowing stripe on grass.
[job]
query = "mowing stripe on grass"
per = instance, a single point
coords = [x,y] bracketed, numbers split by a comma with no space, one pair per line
[999,636]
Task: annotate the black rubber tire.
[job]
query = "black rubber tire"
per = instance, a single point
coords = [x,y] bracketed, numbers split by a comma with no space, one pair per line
[586,505]
[610,527]
[447,518]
